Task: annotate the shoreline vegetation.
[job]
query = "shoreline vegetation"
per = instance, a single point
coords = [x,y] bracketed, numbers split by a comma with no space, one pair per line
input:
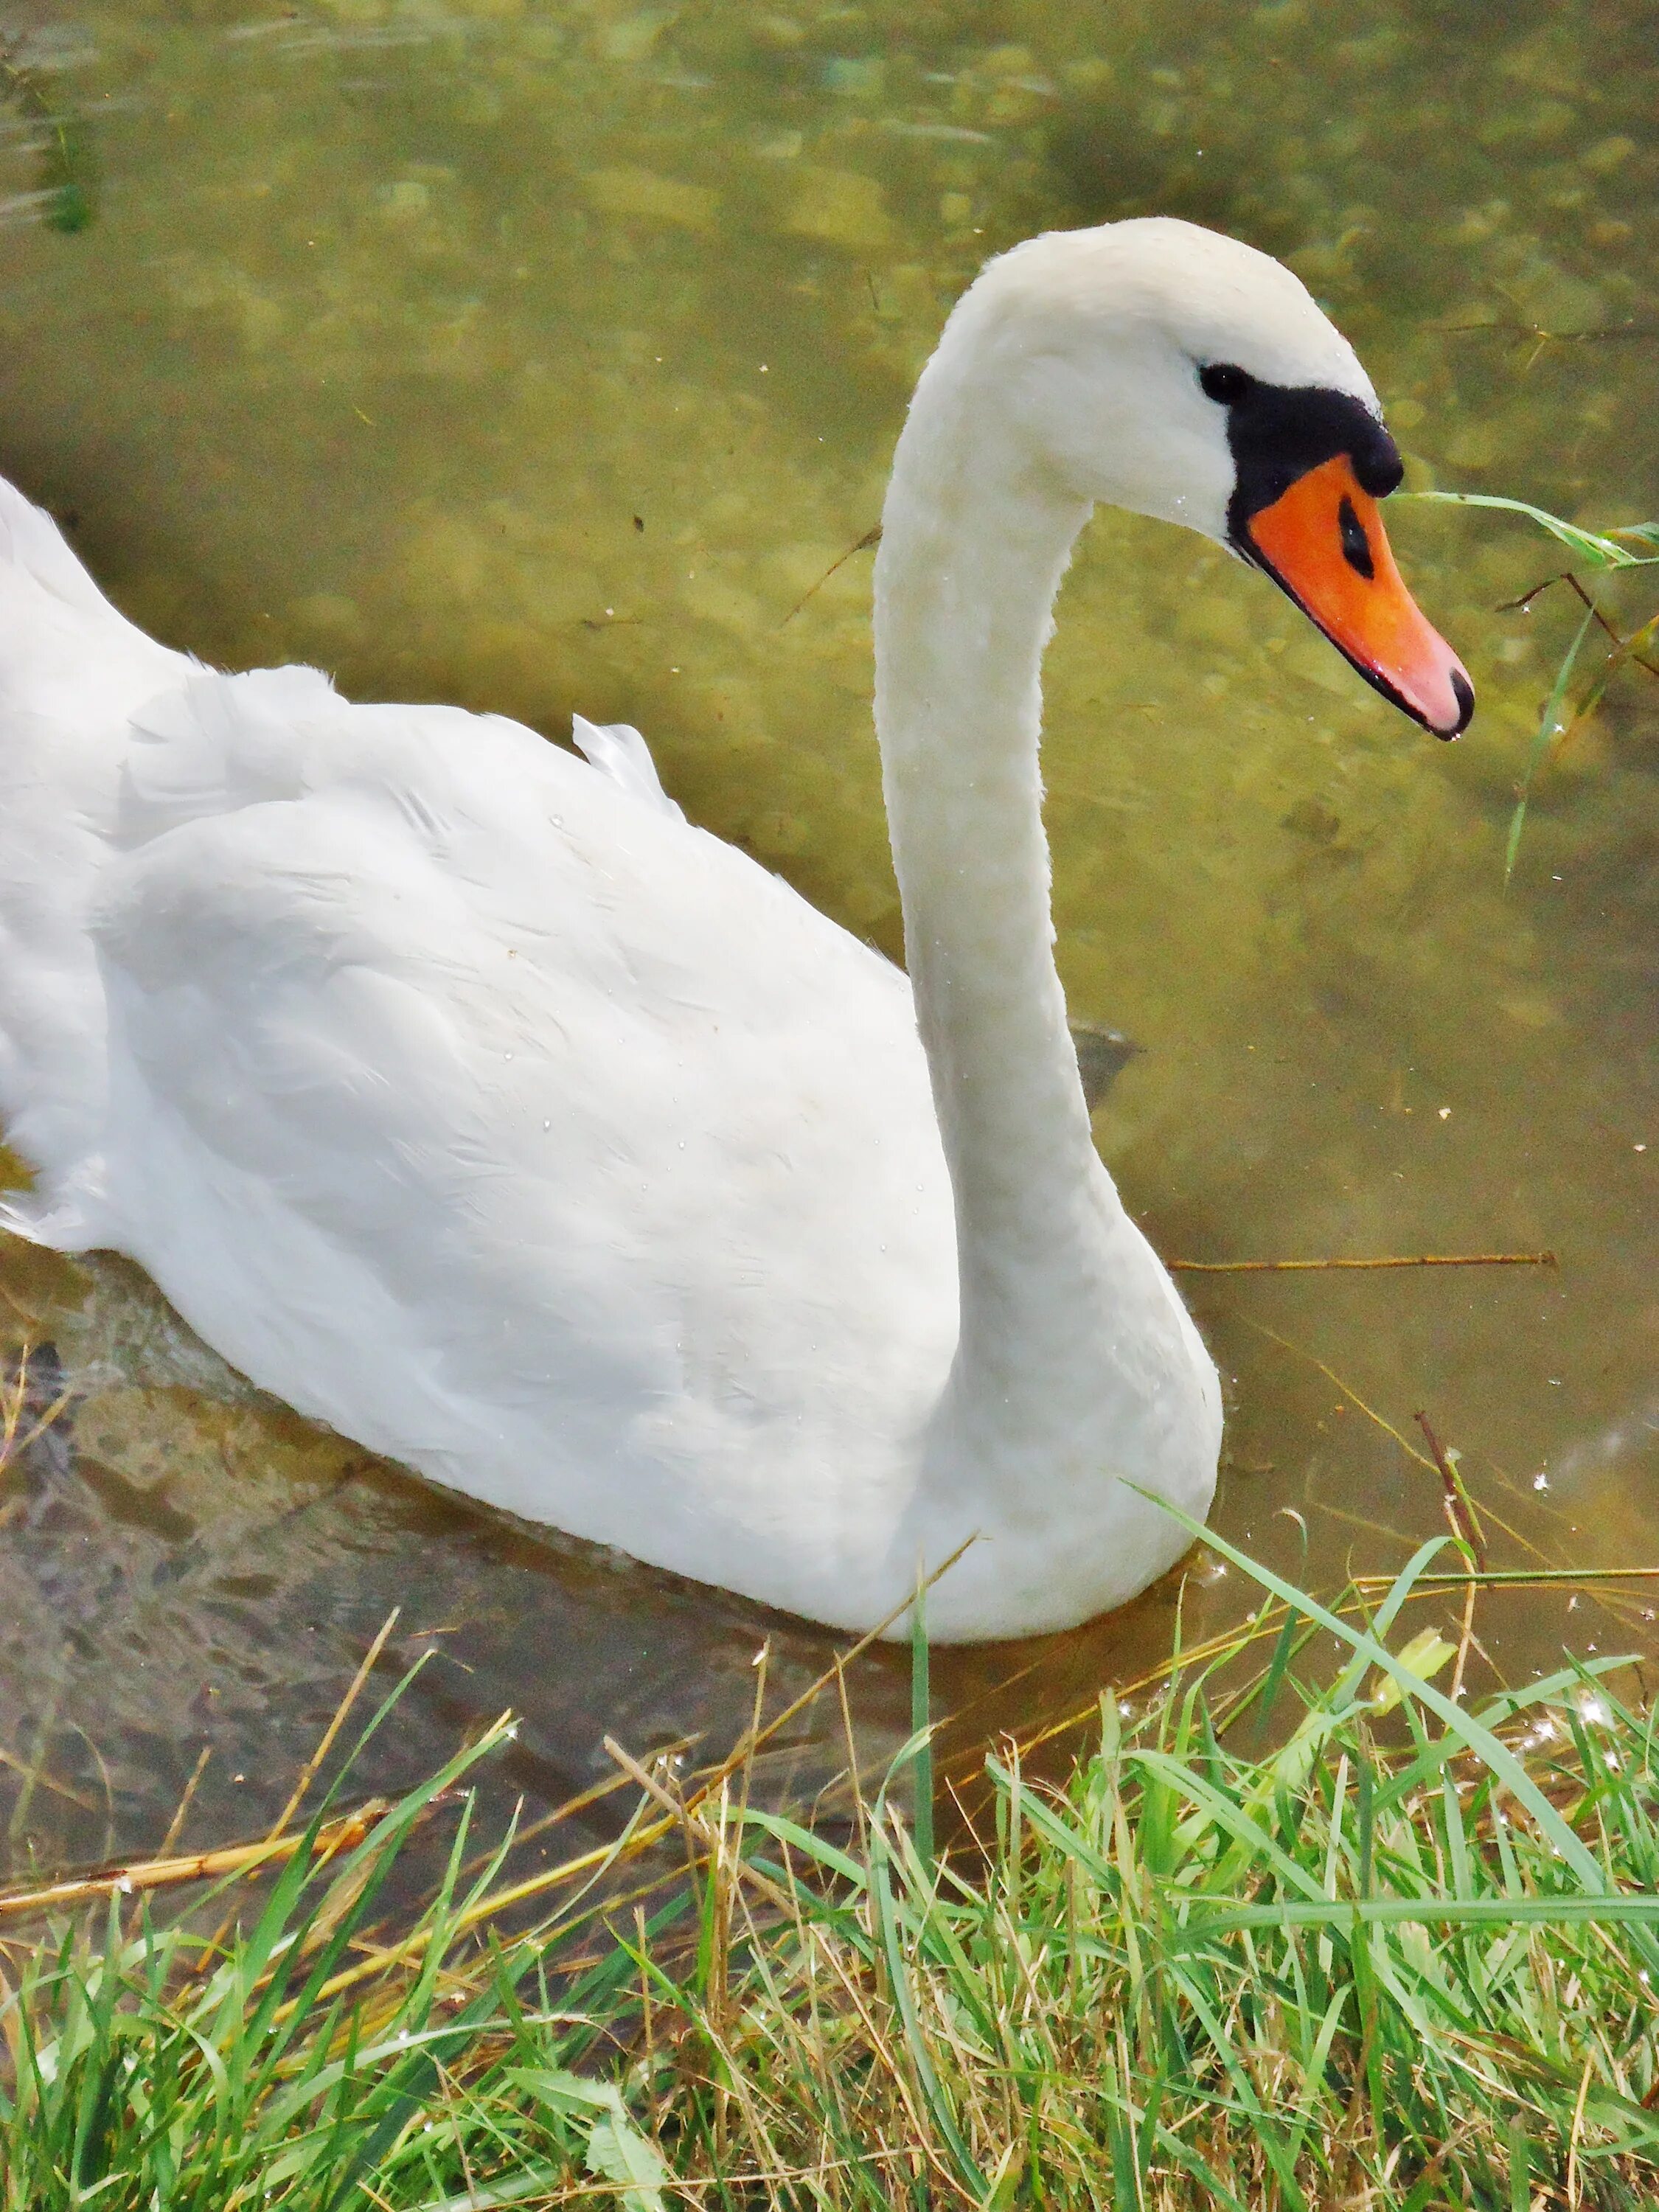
[1313,1929]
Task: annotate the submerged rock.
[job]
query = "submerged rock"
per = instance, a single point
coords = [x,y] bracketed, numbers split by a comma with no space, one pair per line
[841,207]
[642,196]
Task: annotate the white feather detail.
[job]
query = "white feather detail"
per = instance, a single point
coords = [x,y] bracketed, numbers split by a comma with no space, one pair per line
[617,750]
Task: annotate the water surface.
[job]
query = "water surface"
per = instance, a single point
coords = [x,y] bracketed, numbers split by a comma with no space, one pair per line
[544,358]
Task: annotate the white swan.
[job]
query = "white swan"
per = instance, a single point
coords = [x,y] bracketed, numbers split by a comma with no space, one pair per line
[462,1094]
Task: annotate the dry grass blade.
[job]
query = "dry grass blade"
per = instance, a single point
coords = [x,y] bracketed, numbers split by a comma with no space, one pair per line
[1460,1515]
[1325,1266]
[133,1876]
[307,1773]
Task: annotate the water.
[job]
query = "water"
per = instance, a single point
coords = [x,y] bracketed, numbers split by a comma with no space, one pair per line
[543,358]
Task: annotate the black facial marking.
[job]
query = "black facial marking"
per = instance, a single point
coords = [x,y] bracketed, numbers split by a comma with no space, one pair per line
[1278,432]
[1356,546]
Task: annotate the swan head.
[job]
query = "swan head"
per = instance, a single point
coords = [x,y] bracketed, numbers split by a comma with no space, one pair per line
[1161,368]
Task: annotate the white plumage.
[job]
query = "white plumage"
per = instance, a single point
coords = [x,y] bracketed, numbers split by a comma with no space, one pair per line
[462,1094]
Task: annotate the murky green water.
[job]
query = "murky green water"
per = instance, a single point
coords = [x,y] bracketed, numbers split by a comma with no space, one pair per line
[542,357]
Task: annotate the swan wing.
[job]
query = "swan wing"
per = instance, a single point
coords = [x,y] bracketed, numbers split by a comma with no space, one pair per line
[516,1127]
[72,670]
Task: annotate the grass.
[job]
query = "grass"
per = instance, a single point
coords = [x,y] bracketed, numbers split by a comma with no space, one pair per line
[1286,1942]
[1600,553]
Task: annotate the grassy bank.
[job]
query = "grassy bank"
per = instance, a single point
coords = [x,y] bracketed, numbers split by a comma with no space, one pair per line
[1403,1955]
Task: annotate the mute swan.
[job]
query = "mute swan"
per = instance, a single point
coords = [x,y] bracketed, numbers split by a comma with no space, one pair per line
[463,1096]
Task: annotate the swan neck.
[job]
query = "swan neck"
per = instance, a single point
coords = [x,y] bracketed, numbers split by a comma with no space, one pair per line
[975,544]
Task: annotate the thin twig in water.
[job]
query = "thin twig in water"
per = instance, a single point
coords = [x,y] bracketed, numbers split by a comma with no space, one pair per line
[1465,1525]
[307,1772]
[181,1811]
[1515,1577]
[1348,1392]
[870,538]
[1523,605]
[1314,1266]
[1464,1521]
[1631,330]
[1302,1352]
[195,1866]
[12,1446]
[37,1776]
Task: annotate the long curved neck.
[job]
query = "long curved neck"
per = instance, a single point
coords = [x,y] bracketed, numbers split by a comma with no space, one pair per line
[973,550]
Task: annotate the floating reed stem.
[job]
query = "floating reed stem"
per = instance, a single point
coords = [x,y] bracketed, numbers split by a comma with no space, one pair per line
[1389,1260]
[136,1874]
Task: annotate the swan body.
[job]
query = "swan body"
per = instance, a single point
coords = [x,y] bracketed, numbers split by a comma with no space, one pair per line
[465,1097]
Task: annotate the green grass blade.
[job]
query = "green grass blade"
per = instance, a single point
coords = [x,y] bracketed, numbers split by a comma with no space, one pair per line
[921,1724]
[1548,724]
[1601,552]
[905,1997]
[1493,1754]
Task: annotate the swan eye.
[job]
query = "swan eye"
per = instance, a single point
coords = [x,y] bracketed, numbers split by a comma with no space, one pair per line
[1225,382]
[1356,545]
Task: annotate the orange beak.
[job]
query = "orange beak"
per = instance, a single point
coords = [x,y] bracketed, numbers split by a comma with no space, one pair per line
[1322,542]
